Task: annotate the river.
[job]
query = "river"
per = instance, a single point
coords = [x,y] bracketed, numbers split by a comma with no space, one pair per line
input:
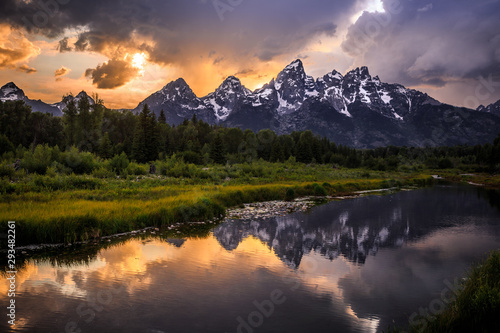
[354,265]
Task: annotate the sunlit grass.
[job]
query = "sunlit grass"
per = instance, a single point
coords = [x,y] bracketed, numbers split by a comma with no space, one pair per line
[69,208]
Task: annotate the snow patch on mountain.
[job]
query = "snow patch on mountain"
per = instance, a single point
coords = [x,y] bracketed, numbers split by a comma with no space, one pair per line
[363,93]
[385,97]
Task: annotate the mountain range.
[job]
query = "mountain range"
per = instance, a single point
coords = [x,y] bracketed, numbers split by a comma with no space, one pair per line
[354,109]
[10,92]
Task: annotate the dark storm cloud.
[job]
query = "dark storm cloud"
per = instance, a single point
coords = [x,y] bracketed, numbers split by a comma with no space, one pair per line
[429,42]
[251,27]
[179,32]
[64,45]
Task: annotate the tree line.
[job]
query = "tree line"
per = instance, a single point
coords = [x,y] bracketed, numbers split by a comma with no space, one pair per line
[145,138]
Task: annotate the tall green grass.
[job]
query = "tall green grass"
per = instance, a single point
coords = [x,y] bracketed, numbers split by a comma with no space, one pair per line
[120,196]
[79,215]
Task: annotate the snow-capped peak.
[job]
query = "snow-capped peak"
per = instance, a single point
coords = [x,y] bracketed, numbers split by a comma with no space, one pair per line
[358,74]
[233,85]
[11,92]
[295,65]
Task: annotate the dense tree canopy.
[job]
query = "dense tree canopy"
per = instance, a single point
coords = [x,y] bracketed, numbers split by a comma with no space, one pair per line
[143,138]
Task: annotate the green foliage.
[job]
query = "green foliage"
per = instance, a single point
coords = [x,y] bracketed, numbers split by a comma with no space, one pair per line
[145,146]
[104,132]
[119,163]
[105,147]
[136,169]
[319,190]
[290,194]
[37,161]
[191,157]
[5,144]
[217,150]
[78,162]
[70,120]
[7,171]
[14,118]
[445,163]
[304,151]
[103,172]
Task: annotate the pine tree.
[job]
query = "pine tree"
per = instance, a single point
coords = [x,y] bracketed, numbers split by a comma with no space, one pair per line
[105,147]
[277,153]
[84,125]
[70,122]
[145,146]
[152,138]
[139,144]
[217,153]
[162,119]
[304,152]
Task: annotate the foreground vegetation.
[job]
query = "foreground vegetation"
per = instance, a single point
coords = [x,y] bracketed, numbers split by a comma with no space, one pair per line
[69,208]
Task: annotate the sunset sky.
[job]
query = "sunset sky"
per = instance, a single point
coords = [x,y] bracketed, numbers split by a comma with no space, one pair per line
[125,50]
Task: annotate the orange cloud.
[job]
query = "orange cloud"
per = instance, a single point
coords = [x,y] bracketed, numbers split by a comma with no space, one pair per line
[15,48]
[59,73]
[27,69]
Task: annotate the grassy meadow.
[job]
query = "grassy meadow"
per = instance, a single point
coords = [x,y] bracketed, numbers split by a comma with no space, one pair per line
[55,207]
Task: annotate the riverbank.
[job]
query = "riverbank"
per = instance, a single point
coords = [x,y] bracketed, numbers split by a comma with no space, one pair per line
[117,205]
[58,208]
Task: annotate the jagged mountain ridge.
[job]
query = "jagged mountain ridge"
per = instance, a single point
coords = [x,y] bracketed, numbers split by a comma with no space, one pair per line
[66,99]
[11,92]
[493,108]
[356,109]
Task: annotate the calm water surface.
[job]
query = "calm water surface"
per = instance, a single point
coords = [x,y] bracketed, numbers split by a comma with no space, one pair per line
[356,265]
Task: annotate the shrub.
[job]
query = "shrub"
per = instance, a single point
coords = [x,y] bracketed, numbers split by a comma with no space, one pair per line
[119,163]
[103,172]
[79,162]
[137,169]
[445,163]
[6,170]
[61,168]
[191,157]
[38,161]
[5,144]
[6,187]
[319,190]
[51,171]
[83,182]
[290,194]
